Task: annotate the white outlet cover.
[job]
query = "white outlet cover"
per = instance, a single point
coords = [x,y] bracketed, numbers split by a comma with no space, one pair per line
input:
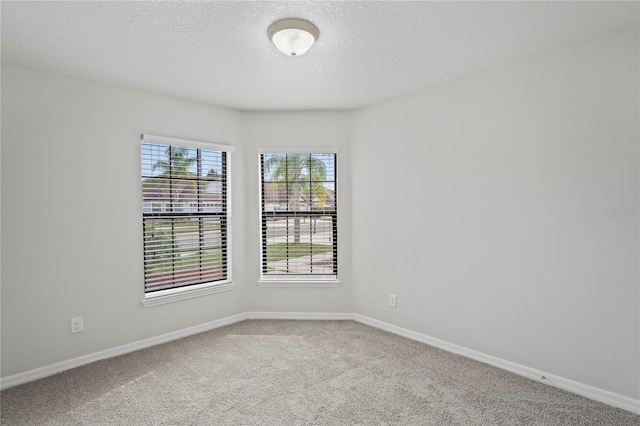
[77,325]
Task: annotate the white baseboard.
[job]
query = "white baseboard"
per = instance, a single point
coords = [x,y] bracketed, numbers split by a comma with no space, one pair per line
[597,394]
[299,315]
[587,391]
[49,370]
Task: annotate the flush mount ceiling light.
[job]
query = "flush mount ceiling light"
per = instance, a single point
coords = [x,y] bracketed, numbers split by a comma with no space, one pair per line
[293,37]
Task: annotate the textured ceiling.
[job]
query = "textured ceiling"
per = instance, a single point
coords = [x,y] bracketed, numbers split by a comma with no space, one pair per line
[218,52]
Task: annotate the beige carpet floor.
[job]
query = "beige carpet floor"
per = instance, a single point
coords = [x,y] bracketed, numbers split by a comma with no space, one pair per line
[267,372]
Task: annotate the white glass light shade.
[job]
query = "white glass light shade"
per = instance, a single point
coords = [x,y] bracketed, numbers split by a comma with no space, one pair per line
[293,37]
[293,42]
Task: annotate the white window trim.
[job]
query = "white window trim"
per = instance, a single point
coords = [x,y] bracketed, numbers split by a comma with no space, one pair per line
[198,290]
[183,293]
[297,150]
[289,282]
[293,281]
[167,140]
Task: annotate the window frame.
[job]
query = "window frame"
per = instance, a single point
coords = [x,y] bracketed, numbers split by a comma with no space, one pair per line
[297,280]
[158,297]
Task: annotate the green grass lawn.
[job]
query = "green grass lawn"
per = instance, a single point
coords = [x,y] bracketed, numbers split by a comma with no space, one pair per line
[185,259]
[279,251]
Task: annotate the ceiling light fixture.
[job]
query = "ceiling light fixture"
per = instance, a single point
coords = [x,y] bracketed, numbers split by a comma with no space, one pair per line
[293,37]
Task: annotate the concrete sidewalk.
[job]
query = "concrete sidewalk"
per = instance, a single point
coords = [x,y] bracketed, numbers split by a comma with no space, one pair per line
[321,263]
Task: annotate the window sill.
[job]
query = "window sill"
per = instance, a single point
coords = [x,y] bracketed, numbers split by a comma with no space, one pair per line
[178,294]
[299,283]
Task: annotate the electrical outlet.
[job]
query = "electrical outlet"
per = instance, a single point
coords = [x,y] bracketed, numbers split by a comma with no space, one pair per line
[393,301]
[77,325]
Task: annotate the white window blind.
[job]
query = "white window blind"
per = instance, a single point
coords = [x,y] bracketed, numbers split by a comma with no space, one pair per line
[185,213]
[299,216]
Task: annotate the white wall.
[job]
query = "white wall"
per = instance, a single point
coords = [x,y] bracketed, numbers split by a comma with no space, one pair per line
[285,130]
[71,225]
[499,183]
[491,224]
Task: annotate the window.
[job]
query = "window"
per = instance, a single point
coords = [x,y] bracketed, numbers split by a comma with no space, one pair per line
[299,217]
[185,215]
